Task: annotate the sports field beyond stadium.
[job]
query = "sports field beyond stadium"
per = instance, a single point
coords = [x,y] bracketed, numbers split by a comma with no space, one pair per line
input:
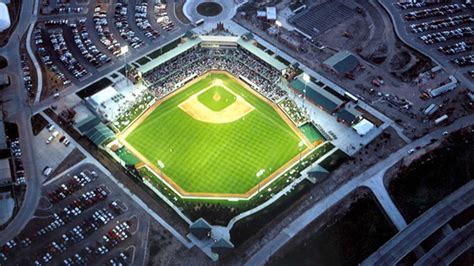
[215,156]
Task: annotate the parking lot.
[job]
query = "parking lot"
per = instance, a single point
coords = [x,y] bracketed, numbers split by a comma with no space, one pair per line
[77,40]
[82,219]
[52,148]
[444,30]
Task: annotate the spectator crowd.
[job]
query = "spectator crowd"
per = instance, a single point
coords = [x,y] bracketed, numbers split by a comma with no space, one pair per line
[166,77]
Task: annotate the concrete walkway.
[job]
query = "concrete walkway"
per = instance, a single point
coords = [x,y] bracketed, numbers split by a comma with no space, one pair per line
[376,185]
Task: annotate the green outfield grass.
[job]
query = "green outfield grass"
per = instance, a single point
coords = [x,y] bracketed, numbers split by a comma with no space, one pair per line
[215,158]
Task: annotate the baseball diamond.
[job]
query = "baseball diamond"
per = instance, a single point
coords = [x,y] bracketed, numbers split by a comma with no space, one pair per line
[215,137]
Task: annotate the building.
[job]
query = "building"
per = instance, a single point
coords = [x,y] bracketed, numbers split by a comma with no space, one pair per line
[342,62]
[325,98]
[269,14]
[444,88]
[5,172]
[3,136]
[200,228]
[318,173]
[95,130]
[222,247]
[7,202]
[363,127]
[110,103]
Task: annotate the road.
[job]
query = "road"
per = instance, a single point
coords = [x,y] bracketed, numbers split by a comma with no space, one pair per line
[298,224]
[409,39]
[16,108]
[451,247]
[15,105]
[409,238]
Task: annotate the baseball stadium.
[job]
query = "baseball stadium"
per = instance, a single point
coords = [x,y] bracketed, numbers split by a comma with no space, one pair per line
[214,129]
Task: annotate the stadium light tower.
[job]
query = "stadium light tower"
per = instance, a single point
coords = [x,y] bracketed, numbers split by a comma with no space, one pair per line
[301,146]
[123,52]
[306,79]
[278,24]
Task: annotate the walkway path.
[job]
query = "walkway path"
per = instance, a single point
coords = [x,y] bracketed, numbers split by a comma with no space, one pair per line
[377,186]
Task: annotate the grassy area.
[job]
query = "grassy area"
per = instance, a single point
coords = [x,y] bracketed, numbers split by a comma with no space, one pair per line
[127,156]
[435,175]
[345,240]
[310,131]
[221,211]
[215,158]
[217,98]
[38,122]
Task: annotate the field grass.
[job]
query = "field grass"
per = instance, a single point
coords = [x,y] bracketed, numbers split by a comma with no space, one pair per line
[311,132]
[217,98]
[215,158]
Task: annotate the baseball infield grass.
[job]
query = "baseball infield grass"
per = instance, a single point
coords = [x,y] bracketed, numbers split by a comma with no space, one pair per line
[216,158]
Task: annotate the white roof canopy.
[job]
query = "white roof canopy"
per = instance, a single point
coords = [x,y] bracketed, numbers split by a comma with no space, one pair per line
[363,127]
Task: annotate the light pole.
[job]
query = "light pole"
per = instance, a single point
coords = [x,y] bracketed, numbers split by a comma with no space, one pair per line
[300,145]
[306,79]
[123,52]
[278,24]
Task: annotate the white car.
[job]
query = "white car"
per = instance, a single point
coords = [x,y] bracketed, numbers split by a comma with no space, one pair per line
[50,138]
[47,171]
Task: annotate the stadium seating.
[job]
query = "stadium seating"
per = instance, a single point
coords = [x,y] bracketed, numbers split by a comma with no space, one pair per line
[162,80]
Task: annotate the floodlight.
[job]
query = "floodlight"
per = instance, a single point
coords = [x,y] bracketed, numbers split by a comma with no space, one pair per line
[306,77]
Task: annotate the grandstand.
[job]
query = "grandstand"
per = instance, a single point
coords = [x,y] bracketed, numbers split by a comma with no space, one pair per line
[223,122]
[240,58]
[224,85]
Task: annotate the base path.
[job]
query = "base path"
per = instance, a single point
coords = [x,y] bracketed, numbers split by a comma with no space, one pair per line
[197,110]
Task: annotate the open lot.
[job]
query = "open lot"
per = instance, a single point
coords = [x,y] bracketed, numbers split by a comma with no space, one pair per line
[331,239]
[228,158]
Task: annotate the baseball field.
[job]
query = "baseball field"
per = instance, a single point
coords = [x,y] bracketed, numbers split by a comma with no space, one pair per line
[215,137]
